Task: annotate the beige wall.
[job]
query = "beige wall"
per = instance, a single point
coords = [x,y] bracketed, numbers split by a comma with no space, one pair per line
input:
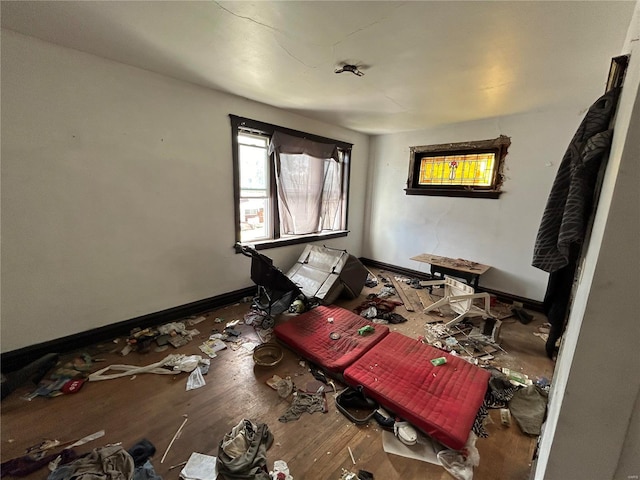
[501,232]
[117,191]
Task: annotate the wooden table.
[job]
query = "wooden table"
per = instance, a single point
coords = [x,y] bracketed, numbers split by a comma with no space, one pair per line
[456,267]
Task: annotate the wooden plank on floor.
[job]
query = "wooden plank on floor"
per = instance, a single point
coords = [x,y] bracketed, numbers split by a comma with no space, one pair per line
[425,297]
[402,294]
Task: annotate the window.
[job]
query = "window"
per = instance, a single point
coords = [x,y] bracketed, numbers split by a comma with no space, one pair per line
[467,169]
[290,186]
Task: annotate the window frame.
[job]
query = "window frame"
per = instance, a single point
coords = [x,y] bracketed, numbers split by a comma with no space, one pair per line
[257,127]
[499,146]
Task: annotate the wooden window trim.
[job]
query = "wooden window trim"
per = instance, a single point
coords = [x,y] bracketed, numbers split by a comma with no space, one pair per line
[238,123]
[499,146]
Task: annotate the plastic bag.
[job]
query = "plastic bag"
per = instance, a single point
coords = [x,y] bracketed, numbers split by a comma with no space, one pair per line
[280,471]
[195,380]
[460,463]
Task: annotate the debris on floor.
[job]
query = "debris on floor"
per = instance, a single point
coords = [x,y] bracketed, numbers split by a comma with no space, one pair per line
[211,346]
[280,471]
[66,378]
[361,475]
[243,451]
[177,363]
[199,467]
[284,386]
[304,402]
[529,406]
[460,464]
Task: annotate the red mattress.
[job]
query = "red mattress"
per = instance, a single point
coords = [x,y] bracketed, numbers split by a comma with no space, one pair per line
[441,401]
[309,335]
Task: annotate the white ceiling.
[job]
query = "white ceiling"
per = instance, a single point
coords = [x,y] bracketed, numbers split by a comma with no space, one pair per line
[426,63]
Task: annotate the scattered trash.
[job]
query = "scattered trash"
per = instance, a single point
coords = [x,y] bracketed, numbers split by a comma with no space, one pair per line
[505,417]
[386,292]
[173,329]
[195,380]
[179,341]
[242,452]
[280,471]
[174,438]
[371,281]
[284,386]
[297,306]
[529,406]
[199,467]
[180,363]
[304,402]
[460,463]
[177,465]
[233,332]
[370,312]
[543,383]
[253,317]
[351,455]
[366,330]
[347,475]
[517,378]
[375,307]
[425,448]
[195,321]
[364,475]
[436,362]
[523,316]
[405,433]
[212,346]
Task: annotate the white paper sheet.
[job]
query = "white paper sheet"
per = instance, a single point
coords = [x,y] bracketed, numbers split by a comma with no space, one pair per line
[200,467]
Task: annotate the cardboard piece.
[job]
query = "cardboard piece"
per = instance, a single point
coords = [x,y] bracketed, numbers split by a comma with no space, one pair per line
[426,450]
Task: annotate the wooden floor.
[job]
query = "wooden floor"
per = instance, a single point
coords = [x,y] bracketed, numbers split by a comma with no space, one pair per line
[316,446]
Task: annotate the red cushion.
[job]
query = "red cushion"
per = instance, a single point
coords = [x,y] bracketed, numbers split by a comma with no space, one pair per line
[309,334]
[440,400]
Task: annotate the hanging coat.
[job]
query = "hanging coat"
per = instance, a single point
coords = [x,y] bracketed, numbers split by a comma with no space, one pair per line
[569,204]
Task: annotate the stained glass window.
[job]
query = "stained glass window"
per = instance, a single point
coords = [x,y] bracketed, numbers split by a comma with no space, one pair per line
[464,169]
[471,169]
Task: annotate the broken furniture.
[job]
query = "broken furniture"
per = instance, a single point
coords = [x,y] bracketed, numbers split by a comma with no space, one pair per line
[456,267]
[459,296]
[275,290]
[394,370]
[327,273]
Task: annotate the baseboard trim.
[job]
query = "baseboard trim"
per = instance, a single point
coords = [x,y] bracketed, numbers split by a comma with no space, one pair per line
[17,359]
[502,296]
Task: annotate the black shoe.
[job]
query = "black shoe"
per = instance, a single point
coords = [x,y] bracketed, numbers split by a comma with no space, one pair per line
[356,399]
[524,316]
[385,422]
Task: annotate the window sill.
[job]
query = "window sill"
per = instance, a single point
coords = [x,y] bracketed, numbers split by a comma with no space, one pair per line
[283,242]
[454,193]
